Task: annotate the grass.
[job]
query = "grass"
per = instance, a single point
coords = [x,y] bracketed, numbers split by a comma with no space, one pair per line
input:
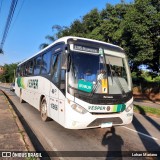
[147,110]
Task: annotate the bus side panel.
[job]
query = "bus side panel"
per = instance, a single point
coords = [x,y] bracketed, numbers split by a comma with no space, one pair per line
[57,105]
[32,89]
[17,89]
[61,108]
[39,88]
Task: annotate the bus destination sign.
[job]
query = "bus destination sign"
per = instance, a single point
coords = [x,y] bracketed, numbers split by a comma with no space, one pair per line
[86,49]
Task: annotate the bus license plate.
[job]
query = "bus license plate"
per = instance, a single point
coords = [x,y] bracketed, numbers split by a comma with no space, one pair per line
[108,124]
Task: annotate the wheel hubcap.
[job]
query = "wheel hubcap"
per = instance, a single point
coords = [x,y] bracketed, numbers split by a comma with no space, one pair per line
[43,109]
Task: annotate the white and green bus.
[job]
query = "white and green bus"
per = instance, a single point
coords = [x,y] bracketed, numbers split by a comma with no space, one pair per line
[79,83]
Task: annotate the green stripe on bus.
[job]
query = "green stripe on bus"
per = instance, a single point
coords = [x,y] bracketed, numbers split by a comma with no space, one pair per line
[20,82]
[119,106]
[115,108]
[123,107]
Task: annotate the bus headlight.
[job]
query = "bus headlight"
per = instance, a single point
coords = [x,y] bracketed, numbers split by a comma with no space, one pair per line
[78,108]
[129,107]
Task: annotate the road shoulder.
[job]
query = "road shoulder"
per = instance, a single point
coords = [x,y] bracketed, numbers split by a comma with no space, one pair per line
[12,134]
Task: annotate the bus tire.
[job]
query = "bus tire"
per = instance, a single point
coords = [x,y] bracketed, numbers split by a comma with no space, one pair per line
[20,97]
[43,110]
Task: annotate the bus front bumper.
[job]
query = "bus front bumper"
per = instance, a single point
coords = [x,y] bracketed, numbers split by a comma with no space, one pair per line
[89,120]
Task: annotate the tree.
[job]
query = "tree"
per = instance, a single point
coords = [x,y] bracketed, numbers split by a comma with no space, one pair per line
[141,27]
[135,27]
[112,17]
[9,73]
[51,39]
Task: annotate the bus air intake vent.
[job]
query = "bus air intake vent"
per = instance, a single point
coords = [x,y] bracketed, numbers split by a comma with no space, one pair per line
[99,121]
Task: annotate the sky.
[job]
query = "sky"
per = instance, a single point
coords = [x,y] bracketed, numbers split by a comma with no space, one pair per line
[33,21]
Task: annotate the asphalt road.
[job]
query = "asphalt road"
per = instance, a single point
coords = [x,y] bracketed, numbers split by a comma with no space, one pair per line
[142,135]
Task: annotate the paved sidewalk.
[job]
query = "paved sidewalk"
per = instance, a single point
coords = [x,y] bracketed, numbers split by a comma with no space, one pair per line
[12,134]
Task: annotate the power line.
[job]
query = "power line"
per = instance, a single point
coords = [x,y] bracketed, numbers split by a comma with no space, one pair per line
[8,23]
[1,9]
[1,5]
[17,14]
[9,19]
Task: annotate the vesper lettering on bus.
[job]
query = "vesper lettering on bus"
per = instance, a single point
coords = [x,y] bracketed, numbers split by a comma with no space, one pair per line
[97,108]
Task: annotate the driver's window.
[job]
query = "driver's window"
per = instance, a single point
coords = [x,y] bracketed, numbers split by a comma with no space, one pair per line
[56,69]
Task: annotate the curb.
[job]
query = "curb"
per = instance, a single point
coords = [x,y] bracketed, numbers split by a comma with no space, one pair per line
[30,138]
[28,144]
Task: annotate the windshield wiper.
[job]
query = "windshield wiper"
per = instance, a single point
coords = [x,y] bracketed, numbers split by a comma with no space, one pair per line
[110,70]
[98,81]
[117,79]
[97,85]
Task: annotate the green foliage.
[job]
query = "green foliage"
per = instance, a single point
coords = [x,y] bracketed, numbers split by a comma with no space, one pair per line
[9,73]
[134,26]
[43,45]
[157,79]
[145,110]
[141,29]
[145,76]
[134,75]
[150,77]
[91,20]
[147,82]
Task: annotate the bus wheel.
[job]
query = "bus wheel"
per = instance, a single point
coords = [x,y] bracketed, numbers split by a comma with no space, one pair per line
[20,98]
[43,109]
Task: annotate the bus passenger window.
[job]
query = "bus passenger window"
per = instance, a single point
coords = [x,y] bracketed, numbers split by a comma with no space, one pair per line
[24,70]
[45,68]
[37,65]
[21,70]
[30,71]
[18,72]
[29,68]
[56,68]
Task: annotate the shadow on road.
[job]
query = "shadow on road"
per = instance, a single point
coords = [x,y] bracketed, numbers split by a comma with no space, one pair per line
[109,140]
[141,111]
[148,143]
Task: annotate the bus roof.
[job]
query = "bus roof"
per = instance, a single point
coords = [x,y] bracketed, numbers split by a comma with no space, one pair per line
[65,39]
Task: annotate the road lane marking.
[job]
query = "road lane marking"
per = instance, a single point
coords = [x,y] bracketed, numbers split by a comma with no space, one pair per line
[141,133]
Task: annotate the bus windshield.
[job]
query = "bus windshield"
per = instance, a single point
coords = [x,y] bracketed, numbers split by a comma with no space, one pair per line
[99,74]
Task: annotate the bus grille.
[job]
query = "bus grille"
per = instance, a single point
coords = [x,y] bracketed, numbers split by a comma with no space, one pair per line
[99,121]
[104,113]
[98,98]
